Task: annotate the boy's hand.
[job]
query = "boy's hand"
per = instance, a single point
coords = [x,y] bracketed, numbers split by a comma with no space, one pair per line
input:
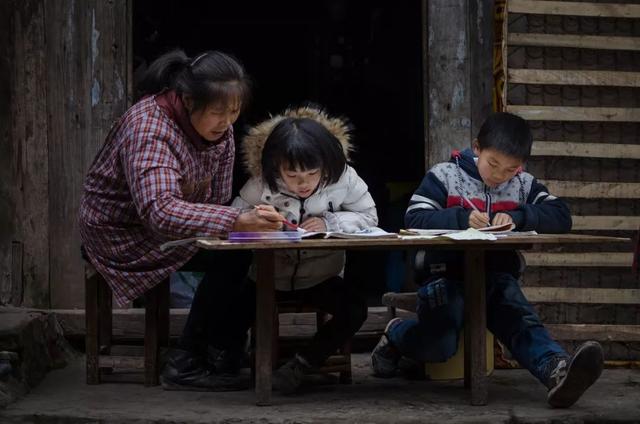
[478,219]
[314,224]
[262,218]
[501,219]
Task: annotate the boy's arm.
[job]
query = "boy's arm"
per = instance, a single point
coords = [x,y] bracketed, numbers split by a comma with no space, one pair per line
[428,207]
[543,212]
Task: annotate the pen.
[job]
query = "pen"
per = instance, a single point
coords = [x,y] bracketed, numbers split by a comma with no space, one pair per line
[473,206]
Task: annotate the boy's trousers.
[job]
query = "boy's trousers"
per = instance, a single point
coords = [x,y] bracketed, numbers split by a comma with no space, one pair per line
[433,337]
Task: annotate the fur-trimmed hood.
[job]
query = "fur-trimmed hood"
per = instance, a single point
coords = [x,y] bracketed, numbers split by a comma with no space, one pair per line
[253,142]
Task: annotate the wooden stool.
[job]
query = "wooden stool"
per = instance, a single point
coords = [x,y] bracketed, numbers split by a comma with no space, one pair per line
[98,314]
[340,363]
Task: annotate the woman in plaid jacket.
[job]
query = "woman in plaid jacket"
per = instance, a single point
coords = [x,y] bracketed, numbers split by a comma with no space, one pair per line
[163,173]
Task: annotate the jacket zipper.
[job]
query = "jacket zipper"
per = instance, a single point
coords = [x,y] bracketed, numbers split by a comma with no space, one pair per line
[292,282]
[488,201]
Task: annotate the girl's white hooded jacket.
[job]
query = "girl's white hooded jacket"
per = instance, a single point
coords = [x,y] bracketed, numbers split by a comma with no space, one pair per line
[344,206]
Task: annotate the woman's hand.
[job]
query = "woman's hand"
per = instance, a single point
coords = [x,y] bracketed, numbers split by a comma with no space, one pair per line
[478,219]
[261,218]
[501,219]
[314,224]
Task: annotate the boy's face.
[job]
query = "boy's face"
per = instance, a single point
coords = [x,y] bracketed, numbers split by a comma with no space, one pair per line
[299,182]
[495,167]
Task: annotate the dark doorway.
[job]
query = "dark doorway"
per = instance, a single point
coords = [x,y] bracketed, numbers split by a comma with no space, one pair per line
[359,59]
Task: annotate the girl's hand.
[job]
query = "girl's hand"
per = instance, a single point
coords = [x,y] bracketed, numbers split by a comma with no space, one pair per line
[314,224]
[478,219]
[502,218]
[262,218]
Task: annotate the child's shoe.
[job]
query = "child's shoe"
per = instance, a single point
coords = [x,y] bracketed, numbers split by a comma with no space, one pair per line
[569,378]
[288,378]
[385,356]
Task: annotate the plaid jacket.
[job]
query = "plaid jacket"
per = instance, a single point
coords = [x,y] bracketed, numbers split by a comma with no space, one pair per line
[153,181]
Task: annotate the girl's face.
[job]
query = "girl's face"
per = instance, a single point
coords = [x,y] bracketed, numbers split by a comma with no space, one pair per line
[495,167]
[213,120]
[301,183]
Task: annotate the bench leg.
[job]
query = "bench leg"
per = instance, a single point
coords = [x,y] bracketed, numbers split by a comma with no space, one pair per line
[151,336]
[92,325]
[105,312]
[475,327]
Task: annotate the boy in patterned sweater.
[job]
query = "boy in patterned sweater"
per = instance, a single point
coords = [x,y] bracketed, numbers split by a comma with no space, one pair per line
[490,176]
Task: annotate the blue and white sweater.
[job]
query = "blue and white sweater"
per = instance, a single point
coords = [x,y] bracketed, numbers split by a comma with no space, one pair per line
[438,203]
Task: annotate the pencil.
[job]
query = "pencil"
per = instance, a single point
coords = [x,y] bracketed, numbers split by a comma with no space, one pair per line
[473,206]
[286,222]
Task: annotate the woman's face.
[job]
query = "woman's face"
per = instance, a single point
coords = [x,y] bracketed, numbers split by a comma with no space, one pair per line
[213,120]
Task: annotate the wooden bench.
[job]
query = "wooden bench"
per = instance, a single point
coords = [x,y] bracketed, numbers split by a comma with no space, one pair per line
[98,340]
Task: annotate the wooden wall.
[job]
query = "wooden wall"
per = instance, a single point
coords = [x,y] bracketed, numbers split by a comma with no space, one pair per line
[68,81]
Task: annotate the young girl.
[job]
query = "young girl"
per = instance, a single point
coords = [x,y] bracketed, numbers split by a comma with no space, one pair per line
[298,164]
[164,172]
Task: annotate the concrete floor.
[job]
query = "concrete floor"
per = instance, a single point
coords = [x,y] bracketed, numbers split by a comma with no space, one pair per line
[514,397]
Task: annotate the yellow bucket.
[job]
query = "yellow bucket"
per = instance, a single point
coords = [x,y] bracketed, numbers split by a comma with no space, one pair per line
[453,368]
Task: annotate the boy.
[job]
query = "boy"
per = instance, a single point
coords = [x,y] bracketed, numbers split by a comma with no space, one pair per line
[489,175]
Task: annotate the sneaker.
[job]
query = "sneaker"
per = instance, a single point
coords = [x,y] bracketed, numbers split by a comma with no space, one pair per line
[288,378]
[187,371]
[571,377]
[385,356]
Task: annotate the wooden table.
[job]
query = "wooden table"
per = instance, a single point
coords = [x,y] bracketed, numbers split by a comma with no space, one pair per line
[475,375]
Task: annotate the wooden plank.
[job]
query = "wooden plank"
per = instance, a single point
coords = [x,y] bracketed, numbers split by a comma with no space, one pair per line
[582,295]
[574,77]
[447,104]
[597,42]
[587,259]
[17,287]
[29,133]
[585,150]
[580,332]
[590,190]
[8,182]
[602,10]
[265,309]
[574,113]
[625,223]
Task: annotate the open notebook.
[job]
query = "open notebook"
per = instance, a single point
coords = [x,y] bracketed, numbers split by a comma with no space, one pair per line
[372,232]
[494,229]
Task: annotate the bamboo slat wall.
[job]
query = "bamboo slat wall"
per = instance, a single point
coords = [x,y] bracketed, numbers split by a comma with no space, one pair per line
[572,69]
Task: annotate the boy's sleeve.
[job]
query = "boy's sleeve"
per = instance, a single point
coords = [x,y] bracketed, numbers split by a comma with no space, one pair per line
[543,212]
[428,207]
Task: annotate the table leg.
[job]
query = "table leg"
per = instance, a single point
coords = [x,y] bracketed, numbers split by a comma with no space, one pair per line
[265,304]
[475,326]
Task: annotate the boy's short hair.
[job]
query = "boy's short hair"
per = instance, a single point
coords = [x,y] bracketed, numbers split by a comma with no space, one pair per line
[302,143]
[507,133]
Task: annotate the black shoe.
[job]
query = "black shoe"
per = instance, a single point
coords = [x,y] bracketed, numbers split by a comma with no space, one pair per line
[186,371]
[571,377]
[227,361]
[288,378]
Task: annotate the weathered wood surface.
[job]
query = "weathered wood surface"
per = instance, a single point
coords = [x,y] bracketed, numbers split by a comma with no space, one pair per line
[573,77]
[459,40]
[576,114]
[574,41]
[589,189]
[590,259]
[606,222]
[587,150]
[604,10]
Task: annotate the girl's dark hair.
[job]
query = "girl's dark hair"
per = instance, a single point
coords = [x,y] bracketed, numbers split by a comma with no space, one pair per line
[508,134]
[302,143]
[209,77]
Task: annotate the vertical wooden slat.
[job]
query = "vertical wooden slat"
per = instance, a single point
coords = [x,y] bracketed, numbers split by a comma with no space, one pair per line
[475,326]
[68,106]
[265,306]
[7,166]
[17,289]
[151,340]
[30,153]
[105,322]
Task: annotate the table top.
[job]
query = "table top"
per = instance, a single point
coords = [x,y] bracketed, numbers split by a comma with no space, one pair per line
[510,242]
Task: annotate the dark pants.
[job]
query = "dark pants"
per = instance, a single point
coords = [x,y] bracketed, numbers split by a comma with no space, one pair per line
[348,311]
[223,307]
[510,317]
